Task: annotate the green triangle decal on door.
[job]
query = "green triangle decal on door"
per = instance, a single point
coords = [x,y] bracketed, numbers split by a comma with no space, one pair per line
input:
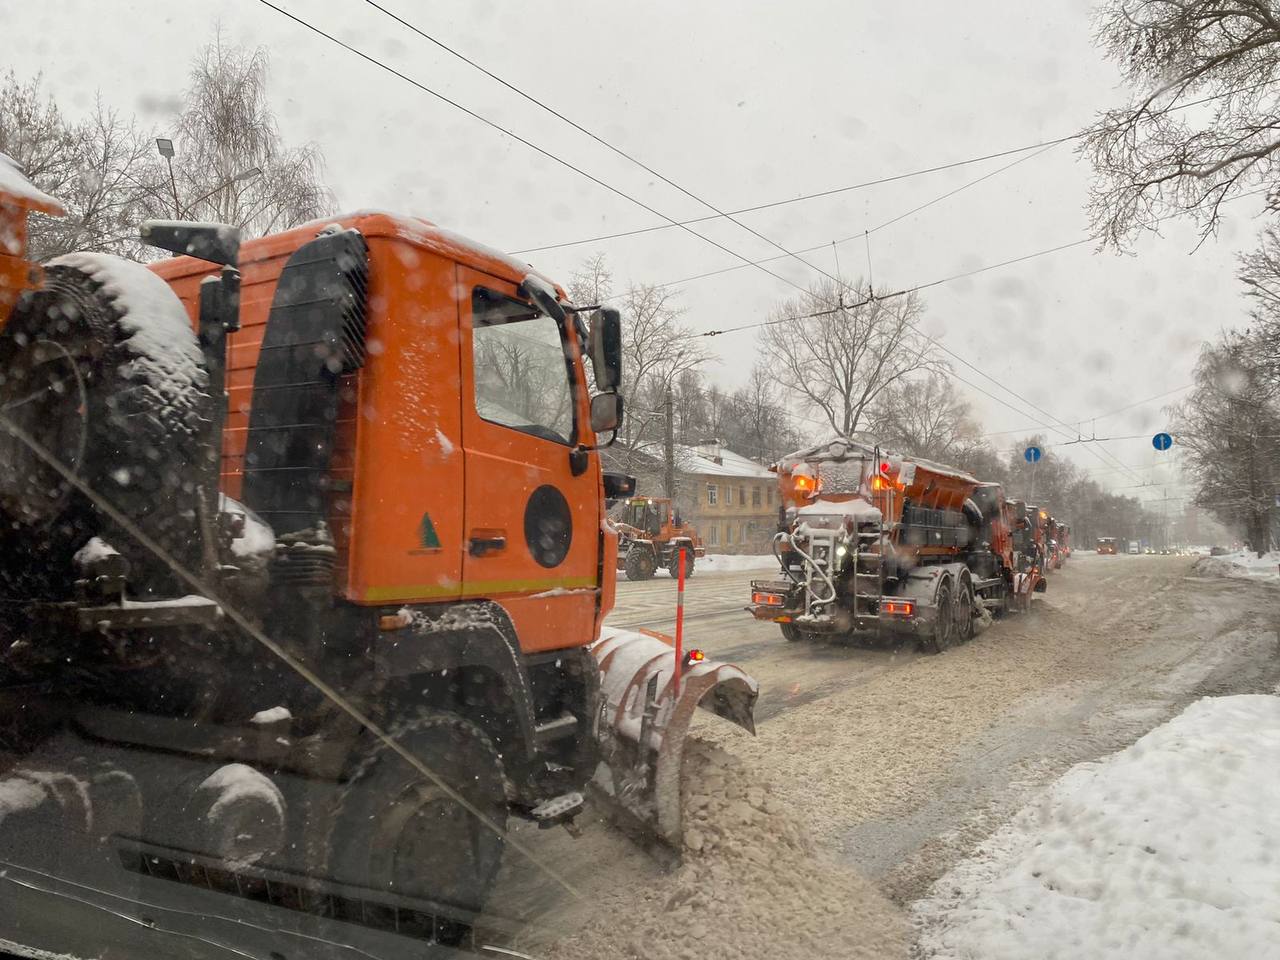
[427,533]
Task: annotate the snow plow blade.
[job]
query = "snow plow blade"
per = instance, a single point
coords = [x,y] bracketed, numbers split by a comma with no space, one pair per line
[642,723]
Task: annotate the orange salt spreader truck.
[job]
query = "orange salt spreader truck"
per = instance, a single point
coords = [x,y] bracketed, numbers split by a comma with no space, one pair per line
[874,543]
[279,499]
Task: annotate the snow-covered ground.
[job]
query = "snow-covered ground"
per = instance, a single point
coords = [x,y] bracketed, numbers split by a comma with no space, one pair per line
[728,563]
[1244,564]
[1168,849]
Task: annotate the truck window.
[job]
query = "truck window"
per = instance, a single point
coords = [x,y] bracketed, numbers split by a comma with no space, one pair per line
[521,380]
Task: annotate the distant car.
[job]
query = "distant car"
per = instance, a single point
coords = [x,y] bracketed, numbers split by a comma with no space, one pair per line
[1107,545]
[1217,551]
[1135,547]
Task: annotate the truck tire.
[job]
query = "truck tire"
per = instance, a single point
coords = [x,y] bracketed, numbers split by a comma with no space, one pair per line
[640,563]
[943,632]
[964,604]
[113,385]
[675,563]
[791,633]
[399,832]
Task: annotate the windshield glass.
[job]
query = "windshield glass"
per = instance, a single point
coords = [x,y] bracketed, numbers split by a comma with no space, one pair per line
[809,492]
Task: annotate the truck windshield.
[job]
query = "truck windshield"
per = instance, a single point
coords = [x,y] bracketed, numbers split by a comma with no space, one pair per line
[521,380]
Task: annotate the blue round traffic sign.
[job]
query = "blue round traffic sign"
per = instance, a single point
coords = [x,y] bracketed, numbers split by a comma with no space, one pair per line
[1162,441]
[1031,454]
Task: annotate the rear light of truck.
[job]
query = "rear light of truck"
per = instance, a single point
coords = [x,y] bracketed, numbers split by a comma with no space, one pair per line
[766,599]
[898,608]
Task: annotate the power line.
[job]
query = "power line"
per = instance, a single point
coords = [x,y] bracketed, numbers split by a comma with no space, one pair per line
[568,165]
[878,227]
[937,168]
[368,58]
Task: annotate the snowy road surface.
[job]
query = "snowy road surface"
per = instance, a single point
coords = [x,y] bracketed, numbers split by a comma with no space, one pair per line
[898,763]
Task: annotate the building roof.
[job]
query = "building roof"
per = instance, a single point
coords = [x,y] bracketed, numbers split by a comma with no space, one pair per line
[703,462]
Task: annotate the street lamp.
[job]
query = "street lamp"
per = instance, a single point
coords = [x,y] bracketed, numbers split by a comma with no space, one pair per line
[165,147]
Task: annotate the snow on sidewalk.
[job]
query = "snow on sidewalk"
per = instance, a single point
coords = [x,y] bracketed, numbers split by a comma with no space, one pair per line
[1168,849]
[1244,565]
[732,563]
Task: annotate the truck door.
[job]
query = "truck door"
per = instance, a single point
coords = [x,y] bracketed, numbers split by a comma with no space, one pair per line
[531,526]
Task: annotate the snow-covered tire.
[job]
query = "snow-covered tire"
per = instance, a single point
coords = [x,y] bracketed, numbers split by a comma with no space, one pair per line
[674,569]
[101,366]
[640,563]
[399,832]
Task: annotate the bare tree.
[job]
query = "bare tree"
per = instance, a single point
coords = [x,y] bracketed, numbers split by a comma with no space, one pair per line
[926,416]
[592,282]
[97,168]
[841,362]
[227,131]
[1153,158]
[1229,428]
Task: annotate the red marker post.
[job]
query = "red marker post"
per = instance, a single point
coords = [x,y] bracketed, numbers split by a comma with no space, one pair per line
[679,620]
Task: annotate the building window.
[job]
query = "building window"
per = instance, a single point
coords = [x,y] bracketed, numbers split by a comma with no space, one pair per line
[728,496]
[713,535]
[713,493]
[771,496]
[742,496]
[728,534]
[755,496]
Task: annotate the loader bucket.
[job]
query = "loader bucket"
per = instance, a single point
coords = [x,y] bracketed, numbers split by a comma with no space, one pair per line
[642,722]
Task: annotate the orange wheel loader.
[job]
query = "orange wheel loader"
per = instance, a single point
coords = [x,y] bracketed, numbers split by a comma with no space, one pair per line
[324,512]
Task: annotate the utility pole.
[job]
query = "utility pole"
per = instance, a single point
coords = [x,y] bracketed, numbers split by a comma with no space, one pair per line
[669,449]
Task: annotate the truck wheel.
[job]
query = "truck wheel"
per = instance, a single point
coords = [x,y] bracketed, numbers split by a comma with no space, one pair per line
[675,563]
[791,633]
[101,366]
[964,611]
[640,564]
[944,622]
[399,832]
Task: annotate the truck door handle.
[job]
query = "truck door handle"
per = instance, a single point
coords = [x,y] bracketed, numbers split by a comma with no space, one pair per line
[479,546]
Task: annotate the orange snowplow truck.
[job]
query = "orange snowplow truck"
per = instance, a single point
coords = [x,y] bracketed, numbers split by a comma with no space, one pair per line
[877,543]
[369,443]
[651,535]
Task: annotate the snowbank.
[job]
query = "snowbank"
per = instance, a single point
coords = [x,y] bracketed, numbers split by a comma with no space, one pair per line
[1245,565]
[752,885]
[729,563]
[1169,849]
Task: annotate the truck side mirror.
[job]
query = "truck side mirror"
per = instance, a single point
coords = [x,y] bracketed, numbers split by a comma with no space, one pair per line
[604,344]
[606,412]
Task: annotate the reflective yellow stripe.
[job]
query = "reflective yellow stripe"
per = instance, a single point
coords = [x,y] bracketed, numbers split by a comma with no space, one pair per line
[479,588]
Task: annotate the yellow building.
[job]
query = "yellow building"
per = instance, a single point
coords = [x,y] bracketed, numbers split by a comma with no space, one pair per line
[733,500]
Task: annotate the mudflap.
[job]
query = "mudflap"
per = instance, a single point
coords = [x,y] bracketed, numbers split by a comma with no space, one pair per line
[642,723]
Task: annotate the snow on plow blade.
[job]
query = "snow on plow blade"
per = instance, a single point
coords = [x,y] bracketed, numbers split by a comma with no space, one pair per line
[642,724]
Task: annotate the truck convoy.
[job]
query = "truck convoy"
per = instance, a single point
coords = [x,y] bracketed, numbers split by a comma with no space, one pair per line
[873,543]
[323,514]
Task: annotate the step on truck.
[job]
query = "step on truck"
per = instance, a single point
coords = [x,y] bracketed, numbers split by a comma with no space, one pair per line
[307,535]
[878,545]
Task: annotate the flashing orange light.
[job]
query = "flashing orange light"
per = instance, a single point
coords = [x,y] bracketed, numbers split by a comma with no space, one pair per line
[803,483]
[1044,515]
[766,599]
[898,608]
[694,656]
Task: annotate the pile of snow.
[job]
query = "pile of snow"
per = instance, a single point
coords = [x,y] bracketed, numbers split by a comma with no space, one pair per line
[729,563]
[1168,849]
[1245,564]
[751,885]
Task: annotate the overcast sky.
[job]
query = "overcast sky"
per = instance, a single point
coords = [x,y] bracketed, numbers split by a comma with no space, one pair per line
[742,103]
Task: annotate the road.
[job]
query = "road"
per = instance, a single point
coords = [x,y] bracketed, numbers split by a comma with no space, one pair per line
[899,763]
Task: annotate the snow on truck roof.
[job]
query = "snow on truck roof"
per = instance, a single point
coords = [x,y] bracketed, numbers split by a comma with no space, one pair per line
[839,449]
[373,223]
